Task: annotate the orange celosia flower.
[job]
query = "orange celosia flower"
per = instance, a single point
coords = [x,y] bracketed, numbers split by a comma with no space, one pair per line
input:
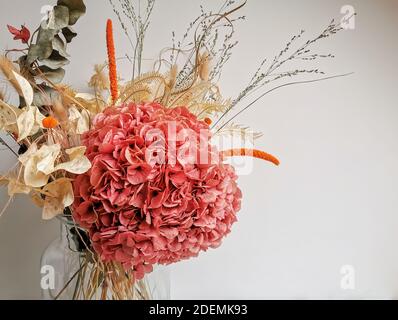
[250,152]
[49,122]
[111,60]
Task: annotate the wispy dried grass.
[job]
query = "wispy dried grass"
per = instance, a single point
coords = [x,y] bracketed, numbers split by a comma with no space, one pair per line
[134,17]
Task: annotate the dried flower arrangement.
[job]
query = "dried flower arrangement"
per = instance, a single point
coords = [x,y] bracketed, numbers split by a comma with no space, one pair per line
[122,163]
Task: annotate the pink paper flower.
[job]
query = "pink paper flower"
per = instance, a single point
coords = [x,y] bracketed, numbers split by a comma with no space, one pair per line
[139,211]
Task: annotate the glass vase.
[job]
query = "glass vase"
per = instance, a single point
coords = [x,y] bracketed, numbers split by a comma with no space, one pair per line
[68,273]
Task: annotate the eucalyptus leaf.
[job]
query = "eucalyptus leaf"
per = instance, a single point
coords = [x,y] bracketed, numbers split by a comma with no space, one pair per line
[55,61]
[43,47]
[45,96]
[61,17]
[55,76]
[39,51]
[69,34]
[60,46]
[45,34]
[76,9]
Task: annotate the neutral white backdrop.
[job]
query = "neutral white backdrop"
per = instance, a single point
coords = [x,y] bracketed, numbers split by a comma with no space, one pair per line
[332,202]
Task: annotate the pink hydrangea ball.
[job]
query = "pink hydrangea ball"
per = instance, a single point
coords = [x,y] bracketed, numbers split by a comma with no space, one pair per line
[144,201]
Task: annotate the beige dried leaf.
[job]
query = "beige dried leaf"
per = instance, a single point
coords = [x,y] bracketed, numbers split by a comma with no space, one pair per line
[8,116]
[83,123]
[46,157]
[37,199]
[15,186]
[78,163]
[23,158]
[39,117]
[26,88]
[26,126]
[32,176]
[59,195]
[74,114]
[80,120]
[25,123]
[39,164]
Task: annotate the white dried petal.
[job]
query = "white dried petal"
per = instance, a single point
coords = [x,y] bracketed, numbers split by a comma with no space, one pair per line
[26,88]
[78,163]
[59,195]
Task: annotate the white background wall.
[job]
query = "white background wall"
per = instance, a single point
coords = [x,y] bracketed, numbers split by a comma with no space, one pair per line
[332,202]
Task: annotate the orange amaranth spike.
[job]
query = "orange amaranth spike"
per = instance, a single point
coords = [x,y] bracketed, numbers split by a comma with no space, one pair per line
[250,152]
[111,60]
